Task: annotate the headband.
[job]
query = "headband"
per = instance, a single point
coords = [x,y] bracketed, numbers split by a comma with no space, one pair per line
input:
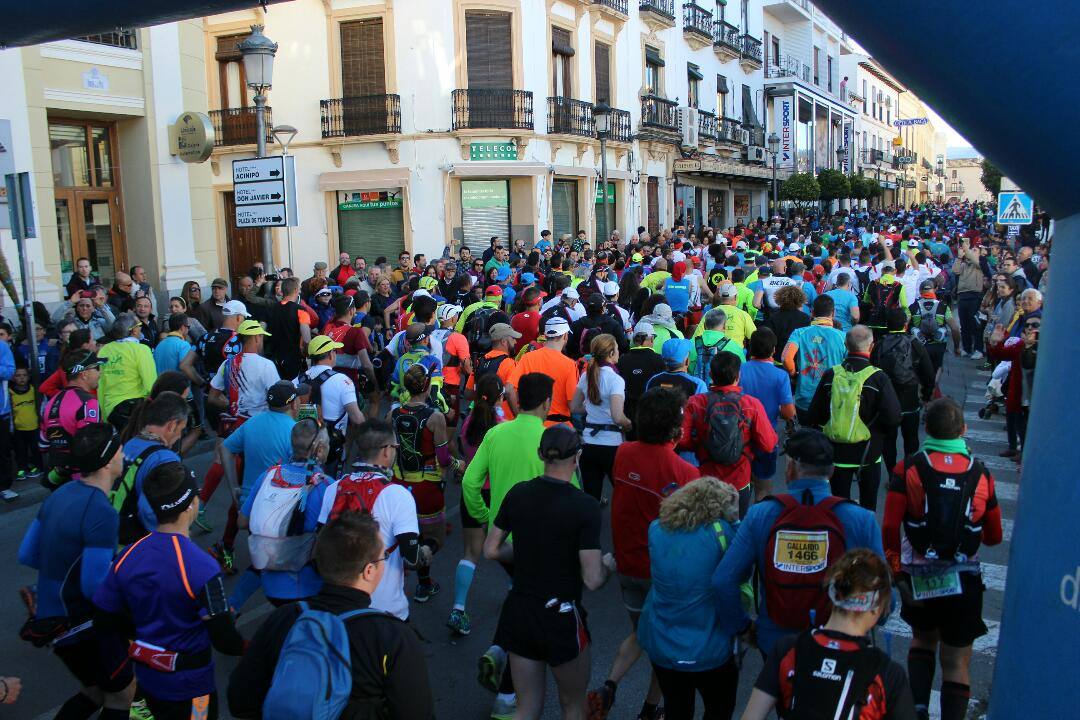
[92,463]
[857,602]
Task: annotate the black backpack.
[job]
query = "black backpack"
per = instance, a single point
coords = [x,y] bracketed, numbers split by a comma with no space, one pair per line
[882,299]
[829,682]
[476,330]
[726,421]
[896,359]
[487,365]
[409,424]
[945,529]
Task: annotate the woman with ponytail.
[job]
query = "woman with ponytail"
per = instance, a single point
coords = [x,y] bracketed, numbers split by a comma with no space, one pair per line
[600,395]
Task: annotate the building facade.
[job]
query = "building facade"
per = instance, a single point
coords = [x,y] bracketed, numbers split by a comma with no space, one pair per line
[963,180]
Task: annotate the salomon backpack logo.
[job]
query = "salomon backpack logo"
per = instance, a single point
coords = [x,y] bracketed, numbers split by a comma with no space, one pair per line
[827,671]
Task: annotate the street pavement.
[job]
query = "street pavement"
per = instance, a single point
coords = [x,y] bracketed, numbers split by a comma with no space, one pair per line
[451,660]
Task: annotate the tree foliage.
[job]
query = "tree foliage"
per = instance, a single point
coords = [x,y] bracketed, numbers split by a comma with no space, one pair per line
[834,184]
[802,189]
[991,177]
[856,188]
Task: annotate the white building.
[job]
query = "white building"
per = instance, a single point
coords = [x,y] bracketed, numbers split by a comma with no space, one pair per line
[875,97]
[963,180]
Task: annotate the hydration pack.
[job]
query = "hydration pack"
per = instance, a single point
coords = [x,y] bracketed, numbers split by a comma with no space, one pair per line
[945,529]
[726,422]
[830,682]
[277,539]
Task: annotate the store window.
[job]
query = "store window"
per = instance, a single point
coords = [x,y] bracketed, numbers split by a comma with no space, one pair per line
[371,222]
[564,208]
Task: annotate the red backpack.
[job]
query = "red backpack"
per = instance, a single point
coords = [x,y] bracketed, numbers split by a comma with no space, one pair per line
[803,542]
[357,492]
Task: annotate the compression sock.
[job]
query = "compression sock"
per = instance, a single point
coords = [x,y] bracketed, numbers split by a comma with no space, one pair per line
[248,585]
[211,482]
[114,714]
[423,574]
[920,668]
[463,578]
[954,700]
[78,707]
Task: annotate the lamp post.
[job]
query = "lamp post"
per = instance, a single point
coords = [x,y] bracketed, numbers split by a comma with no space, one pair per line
[284,135]
[602,119]
[841,152]
[772,143]
[257,52]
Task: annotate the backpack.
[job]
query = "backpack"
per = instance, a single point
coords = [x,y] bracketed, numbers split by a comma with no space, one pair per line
[357,492]
[726,421]
[476,330]
[313,677]
[895,358]
[882,299]
[829,682]
[931,327]
[945,529]
[487,365]
[337,437]
[125,500]
[845,424]
[277,540]
[805,539]
[409,424]
[705,354]
[863,277]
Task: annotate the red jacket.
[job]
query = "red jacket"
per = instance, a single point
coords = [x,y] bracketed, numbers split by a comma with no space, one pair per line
[1014,384]
[342,273]
[758,436]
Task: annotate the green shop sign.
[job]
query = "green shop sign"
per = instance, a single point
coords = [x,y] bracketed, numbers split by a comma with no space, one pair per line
[484,194]
[610,193]
[370,204]
[493,151]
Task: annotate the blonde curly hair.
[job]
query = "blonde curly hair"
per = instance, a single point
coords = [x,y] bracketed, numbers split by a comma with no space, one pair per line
[702,501]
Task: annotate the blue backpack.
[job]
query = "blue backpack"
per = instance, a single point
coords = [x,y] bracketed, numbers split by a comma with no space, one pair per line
[313,678]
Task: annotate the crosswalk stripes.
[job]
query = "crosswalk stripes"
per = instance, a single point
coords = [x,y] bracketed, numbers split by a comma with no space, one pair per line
[985,645]
[1006,490]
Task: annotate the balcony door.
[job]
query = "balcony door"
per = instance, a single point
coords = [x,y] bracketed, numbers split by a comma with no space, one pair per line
[244,244]
[490,64]
[363,77]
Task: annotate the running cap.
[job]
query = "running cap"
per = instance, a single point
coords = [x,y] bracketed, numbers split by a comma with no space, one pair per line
[662,311]
[81,360]
[322,344]
[611,288]
[556,327]
[595,300]
[741,245]
[428,283]
[420,293]
[644,327]
[176,501]
[284,392]
[527,278]
[728,290]
[447,311]
[927,286]
[414,333]
[251,327]
[94,446]
[571,293]
[676,351]
[234,308]
[809,446]
[559,442]
[322,291]
[502,274]
[493,291]
[888,265]
[501,331]
[793,247]
[637,257]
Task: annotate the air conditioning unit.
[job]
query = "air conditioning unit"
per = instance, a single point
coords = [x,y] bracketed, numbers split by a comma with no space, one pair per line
[688,123]
[755,154]
[744,137]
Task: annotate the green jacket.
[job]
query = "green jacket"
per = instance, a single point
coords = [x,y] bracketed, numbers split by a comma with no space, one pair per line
[129,373]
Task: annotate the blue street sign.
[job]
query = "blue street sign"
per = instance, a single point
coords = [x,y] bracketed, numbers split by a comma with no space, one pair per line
[1015,208]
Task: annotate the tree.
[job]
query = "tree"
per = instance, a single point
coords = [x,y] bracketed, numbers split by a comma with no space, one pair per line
[857,187]
[991,177]
[834,185]
[802,189]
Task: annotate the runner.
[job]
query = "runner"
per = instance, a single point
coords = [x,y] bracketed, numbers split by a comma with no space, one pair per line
[932,322]
[239,386]
[599,398]
[713,340]
[636,367]
[760,378]
[908,365]
[548,360]
[68,411]
[334,396]
[676,376]
[812,350]
[453,348]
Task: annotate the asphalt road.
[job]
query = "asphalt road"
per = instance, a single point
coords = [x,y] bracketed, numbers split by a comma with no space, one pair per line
[452,661]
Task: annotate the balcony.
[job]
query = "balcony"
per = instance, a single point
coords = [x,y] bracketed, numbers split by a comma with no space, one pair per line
[789,11]
[659,113]
[751,53]
[491,108]
[708,127]
[730,131]
[567,116]
[620,126]
[956,188]
[121,39]
[755,135]
[871,157]
[237,126]
[657,14]
[617,10]
[726,41]
[363,115]
[788,67]
[697,26]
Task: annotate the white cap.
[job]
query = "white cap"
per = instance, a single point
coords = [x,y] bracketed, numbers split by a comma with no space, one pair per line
[644,327]
[728,290]
[611,288]
[793,247]
[571,293]
[678,256]
[556,327]
[234,308]
[447,311]
[741,245]
[892,228]
[888,242]
[421,293]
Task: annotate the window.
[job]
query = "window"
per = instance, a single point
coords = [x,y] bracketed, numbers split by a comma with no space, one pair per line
[232,83]
[363,65]
[953,174]
[488,50]
[602,71]
[721,5]
[765,46]
[864,97]
[693,85]
[744,14]
[873,101]
[721,96]
[776,50]
[888,115]
[653,63]
[828,60]
[561,52]
[817,66]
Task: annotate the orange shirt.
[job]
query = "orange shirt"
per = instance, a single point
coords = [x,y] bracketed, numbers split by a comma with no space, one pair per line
[455,346]
[559,368]
[506,369]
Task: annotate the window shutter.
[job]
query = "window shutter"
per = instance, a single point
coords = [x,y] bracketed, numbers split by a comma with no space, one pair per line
[363,65]
[226,47]
[602,66]
[488,49]
[560,42]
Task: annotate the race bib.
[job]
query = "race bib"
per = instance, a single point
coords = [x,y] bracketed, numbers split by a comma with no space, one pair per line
[801,552]
[934,586]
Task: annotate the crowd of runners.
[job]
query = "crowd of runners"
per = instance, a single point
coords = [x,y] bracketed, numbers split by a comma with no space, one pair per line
[648,384]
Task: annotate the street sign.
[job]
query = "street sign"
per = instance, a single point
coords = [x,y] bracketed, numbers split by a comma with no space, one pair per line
[258,169]
[265,192]
[269,215]
[1013,231]
[904,159]
[272,191]
[191,137]
[900,122]
[910,184]
[1015,208]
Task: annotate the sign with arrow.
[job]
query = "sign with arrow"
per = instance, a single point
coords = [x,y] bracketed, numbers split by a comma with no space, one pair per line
[265,192]
[272,191]
[1015,208]
[269,215]
[258,169]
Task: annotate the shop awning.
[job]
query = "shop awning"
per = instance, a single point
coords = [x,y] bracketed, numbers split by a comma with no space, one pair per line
[497,169]
[364,179]
[652,57]
[694,71]
[578,171]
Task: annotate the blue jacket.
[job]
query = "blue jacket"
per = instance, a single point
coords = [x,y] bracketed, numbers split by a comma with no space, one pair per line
[748,550]
[680,625]
[7,371]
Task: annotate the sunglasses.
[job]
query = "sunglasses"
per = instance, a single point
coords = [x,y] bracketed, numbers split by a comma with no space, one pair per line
[1032,326]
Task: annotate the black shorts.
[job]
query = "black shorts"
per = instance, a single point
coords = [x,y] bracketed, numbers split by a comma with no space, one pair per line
[97,660]
[467,520]
[957,618]
[204,708]
[530,630]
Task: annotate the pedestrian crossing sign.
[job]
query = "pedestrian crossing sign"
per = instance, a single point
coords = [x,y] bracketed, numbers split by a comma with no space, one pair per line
[1015,208]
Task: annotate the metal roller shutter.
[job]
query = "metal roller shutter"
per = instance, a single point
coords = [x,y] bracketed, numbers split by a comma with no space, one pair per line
[564,207]
[485,213]
[372,231]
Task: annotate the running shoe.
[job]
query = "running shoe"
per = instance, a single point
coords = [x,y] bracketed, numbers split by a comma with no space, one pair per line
[976,355]
[200,520]
[504,709]
[225,558]
[426,591]
[34,472]
[9,495]
[20,476]
[139,711]
[459,622]
[490,668]
[598,702]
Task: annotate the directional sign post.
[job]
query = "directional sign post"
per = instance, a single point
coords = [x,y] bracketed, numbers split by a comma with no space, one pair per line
[264,190]
[1015,208]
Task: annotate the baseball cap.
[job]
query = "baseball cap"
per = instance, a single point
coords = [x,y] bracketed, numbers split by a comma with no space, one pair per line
[611,288]
[809,446]
[234,308]
[219,282]
[793,247]
[94,446]
[559,442]
[502,274]
[81,360]
[662,311]
[728,290]
[251,327]
[637,257]
[320,265]
[421,293]
[284,392]
[527,278]
[571,293]
[644,327]
[676,351]
[501,331]
[447,311]
[556,327]
[595,300]
[322,344]
[741,245]
[414,333]
[888,265]
[428,283]
[493,291]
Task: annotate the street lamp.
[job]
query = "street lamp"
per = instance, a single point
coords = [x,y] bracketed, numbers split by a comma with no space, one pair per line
[772,143]
[257,52]
[841,153]
[284,135]
[602,119]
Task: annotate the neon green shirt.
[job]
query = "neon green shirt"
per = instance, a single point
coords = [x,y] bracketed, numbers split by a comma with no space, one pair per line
[129,373]
[506,456]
